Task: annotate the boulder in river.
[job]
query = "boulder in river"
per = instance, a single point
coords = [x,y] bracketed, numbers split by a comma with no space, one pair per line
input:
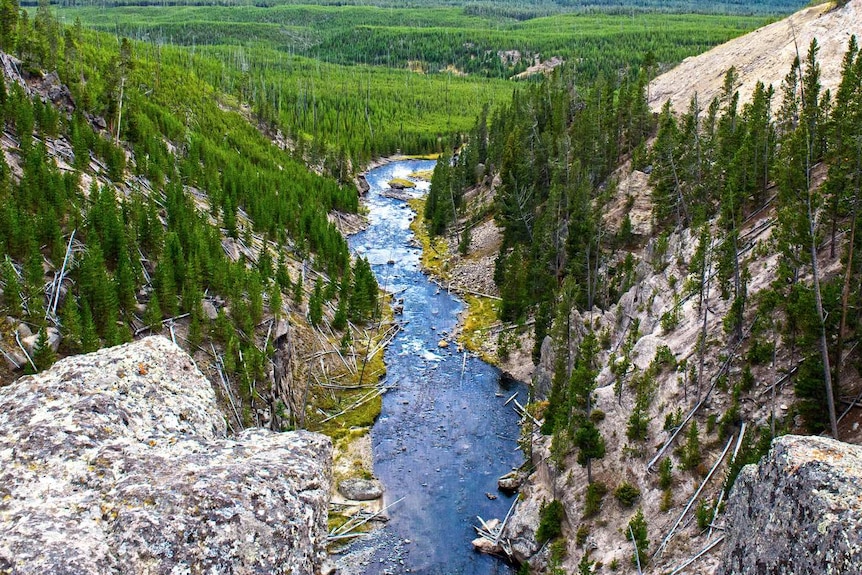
[401,184]
[511,482]
[119,462]
[360,489]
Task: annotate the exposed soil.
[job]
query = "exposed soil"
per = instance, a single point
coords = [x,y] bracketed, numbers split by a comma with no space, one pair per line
[765,55]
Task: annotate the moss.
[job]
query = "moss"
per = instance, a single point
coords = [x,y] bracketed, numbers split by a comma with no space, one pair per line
[423,156]
[401,183]
[435,251]
[482,314]
[422,175]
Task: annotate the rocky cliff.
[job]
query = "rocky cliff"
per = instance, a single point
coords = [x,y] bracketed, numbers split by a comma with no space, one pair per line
[798,512]
[763,55]
[118,462]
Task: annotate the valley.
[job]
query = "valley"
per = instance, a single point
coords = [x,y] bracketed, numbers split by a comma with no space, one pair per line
[644,211]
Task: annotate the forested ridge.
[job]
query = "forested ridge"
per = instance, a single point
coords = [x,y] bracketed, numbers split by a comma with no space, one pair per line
[136,200]
[141,176]
[736,285]
[407,78]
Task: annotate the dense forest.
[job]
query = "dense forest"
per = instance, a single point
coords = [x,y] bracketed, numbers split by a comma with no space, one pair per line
[407,78]
[146,201]
[507,8]
[787,164]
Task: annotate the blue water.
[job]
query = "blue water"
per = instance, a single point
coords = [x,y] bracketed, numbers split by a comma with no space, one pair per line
[443,436]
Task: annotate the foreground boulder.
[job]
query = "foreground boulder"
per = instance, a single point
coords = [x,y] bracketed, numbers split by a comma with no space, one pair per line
[118,462]
[797,512]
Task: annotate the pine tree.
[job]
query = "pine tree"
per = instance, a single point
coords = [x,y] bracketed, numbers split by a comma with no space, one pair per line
[11,289]
[691,457]
[71,322]
[43,354]
[89,336]
[637,534]
[153,313]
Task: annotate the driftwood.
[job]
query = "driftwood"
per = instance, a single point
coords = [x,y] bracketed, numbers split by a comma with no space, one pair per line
[219,365]
[699,554]
[27,355]
[637,551]
[53,308]
[694,497]
[345,530]
[362,401]
[721,493]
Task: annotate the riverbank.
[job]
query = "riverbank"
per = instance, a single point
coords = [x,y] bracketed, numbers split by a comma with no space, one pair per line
[471,276]
[444,433]
[352,451]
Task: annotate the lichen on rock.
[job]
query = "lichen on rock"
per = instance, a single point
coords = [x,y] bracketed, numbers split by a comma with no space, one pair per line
[119,462]
[797,512]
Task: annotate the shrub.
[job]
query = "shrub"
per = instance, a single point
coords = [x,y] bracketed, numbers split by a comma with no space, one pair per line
[551,518]
[704,514]
[596,492]
[666,500]
[665,479]
[597,416]
[627,494]
[582,534]
[691,451]
[637,529]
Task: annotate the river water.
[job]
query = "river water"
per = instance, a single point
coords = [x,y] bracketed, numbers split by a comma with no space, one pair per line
[443,436]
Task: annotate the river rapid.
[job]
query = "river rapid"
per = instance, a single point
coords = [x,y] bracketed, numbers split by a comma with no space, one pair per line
[444,435]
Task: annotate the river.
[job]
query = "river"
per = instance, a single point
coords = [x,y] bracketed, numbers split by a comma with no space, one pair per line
[444,435]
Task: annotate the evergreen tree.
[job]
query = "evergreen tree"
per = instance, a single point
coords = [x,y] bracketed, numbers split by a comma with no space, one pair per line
[11,288]
[71,325]
[43,354]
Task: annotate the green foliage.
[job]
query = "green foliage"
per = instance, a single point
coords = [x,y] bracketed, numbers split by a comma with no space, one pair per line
[691,456]
[593,498]
[704,513]
[627,494]
[637,533]
[43,355]
[551,518]
[581,534]
[665,478]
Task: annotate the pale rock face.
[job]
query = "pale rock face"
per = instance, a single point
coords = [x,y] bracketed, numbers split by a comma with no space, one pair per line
[799,511]
[118,462]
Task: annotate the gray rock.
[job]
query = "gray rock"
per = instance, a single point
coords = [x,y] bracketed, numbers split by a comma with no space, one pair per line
[360,489]
[24,331]
[521,529]
[118,462]
[542,379]
[209,310]
[797,512]
[511,482]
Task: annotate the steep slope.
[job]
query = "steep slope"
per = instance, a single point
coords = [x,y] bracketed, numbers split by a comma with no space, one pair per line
[763,55]
[701,293]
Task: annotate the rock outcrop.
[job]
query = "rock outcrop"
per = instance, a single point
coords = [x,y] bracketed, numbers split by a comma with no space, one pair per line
[118,462]
[798,512]
[764,55]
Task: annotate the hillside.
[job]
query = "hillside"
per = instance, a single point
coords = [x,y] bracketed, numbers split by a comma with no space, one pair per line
[686,280]
[762,55]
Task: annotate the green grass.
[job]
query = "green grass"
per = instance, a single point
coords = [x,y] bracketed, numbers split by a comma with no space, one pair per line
[482,314]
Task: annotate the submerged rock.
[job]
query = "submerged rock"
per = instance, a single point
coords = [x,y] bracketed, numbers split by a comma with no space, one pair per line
[118,462]
[797,512]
